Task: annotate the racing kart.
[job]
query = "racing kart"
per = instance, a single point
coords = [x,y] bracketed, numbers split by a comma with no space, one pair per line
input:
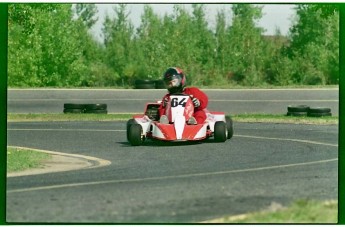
[174,125]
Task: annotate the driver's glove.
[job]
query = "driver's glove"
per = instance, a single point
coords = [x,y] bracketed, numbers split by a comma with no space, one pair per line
[196,102]
[165,101]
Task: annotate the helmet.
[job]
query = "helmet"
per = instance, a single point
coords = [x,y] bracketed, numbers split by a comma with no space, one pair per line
[174,80]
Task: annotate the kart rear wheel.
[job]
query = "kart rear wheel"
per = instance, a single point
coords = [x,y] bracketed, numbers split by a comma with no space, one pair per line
[220,131]
[229,126]
[134,134]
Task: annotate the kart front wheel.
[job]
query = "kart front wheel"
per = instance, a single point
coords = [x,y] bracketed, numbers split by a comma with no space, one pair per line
[134,134]
[220,131]
[129,123]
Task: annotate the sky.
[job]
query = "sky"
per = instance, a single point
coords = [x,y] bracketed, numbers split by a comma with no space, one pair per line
[274,15]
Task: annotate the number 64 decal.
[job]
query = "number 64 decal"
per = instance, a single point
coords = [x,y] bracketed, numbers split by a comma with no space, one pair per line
[175,102]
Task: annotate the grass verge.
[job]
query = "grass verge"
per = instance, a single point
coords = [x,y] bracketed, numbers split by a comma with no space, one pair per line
[22,159]
[270,118]
[301,211]
[265,118]
[11,117]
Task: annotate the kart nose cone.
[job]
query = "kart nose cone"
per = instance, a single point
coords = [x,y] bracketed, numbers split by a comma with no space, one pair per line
[179,126]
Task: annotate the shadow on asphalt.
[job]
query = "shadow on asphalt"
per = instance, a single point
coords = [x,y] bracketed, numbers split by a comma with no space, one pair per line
[158,143]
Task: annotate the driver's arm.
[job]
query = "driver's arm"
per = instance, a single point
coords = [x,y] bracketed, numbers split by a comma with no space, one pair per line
[161,109]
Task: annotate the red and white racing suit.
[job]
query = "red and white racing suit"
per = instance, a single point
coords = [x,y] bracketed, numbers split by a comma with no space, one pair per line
[199,112]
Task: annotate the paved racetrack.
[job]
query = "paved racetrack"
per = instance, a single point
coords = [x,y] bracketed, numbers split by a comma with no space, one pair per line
[231,101]
[261,165]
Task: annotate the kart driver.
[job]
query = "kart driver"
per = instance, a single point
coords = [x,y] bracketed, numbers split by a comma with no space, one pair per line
[175,81]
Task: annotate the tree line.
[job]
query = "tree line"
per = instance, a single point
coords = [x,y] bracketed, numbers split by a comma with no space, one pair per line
[50,45]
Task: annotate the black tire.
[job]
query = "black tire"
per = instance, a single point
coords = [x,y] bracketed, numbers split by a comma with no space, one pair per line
[220,131]
[159,84]
[144,84]
[229,126]
[96,111]
[298,108]
[319,110]
[297,114]
[99,106]
[134,134]
[73,111]
[73,106]
[129,123]
[319,114]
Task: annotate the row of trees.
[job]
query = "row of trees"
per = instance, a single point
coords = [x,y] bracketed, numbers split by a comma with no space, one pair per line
[51,45]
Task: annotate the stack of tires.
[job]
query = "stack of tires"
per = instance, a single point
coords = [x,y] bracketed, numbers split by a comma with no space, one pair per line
[300,110]
[85,108]
[144,84]
[304,110]
[149,84]
[159,84]
[319,112]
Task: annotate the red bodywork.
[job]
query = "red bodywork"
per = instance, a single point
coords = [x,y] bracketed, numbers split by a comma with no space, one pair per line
[178,110]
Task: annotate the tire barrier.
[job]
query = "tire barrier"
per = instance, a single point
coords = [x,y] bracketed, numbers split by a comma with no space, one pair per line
[319,112]
[144,84]
[159,84]
[99,108]
[149,84]
[304,110]
[73,110]
[300,110]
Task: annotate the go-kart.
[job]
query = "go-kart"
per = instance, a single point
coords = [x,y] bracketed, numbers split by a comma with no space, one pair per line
[174,126]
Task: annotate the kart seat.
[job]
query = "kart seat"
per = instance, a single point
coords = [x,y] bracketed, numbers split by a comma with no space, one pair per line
[152,112]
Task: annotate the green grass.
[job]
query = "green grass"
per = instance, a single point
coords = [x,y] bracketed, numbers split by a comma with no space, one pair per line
[268,118]
[301,211]
[23,159]
[68,117]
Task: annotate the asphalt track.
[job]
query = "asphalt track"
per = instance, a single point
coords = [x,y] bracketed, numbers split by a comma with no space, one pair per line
[262,164]
[231,101]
